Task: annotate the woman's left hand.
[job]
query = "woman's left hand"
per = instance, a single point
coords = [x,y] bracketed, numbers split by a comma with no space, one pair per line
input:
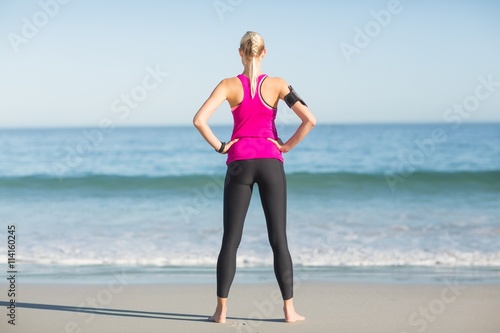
[228,145]
[279,144]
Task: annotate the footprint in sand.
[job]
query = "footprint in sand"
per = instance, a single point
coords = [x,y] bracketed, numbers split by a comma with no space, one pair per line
[236,324]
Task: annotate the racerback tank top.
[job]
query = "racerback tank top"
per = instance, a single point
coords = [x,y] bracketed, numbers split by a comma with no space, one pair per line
[254,122]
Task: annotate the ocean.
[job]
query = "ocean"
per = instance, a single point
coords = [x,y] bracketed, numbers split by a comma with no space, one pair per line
[378,202]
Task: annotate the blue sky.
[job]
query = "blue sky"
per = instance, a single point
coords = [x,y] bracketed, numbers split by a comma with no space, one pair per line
[73,63]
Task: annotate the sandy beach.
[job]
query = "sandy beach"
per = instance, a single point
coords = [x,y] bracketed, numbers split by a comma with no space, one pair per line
[328,307]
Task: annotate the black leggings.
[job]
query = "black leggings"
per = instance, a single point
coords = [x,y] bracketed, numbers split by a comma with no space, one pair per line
[240,178]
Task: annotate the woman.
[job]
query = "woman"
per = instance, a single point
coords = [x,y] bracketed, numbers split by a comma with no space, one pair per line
[254,156]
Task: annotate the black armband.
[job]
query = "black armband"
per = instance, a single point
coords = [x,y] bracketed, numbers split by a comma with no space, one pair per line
[293,98]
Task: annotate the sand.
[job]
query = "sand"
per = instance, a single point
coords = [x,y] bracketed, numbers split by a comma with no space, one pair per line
[120,306]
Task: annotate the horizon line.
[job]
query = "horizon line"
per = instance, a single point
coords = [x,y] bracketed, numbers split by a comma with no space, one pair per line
[381,123]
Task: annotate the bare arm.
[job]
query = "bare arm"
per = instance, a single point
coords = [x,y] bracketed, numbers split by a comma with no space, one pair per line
[200,120]
[308,122]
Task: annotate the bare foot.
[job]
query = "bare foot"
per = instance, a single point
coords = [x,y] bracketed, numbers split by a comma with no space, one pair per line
[219,318]
[220,312]
[291,316]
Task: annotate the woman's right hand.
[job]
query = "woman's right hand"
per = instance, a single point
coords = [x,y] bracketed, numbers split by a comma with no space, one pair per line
[279,144]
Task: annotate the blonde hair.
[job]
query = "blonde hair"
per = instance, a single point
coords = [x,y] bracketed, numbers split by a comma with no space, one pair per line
[252,45]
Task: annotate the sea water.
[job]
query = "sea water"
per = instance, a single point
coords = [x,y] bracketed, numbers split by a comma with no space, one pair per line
[365,202]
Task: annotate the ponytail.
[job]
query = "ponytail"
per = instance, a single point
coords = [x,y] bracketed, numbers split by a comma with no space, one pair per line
[253,76]
[252,46]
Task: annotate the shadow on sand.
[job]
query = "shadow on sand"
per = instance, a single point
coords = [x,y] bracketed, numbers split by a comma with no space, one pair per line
[128,313]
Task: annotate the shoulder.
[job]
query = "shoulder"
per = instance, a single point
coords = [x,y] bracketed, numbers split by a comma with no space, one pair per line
[229,83]
[279,84]
[230,80]
[276,80]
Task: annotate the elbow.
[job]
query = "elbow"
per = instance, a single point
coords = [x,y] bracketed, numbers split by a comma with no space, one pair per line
[311,121]
[197,122]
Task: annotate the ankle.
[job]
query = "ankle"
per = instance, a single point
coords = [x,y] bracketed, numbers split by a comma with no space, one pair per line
[288,304]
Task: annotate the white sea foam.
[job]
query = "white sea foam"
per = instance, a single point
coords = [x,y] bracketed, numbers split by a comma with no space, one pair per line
[305,257]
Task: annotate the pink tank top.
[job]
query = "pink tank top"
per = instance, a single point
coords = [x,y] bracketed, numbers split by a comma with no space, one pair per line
[253,124]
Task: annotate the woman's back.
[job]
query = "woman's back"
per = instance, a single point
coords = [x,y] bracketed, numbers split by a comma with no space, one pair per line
[272,89]
[254,119]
